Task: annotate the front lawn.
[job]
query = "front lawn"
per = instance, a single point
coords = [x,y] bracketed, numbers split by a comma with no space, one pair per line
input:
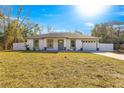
[34,69]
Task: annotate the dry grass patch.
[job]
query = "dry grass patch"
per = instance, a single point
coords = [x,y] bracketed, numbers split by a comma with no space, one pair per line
[28,69]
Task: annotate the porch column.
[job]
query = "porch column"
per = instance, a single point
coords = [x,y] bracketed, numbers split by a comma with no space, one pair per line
[68,44]
[55,44]
[65,43]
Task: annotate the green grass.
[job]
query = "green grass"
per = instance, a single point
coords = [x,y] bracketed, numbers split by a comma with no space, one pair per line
[33,69]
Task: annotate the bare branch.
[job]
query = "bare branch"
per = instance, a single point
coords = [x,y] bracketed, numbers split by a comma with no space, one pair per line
[20,8]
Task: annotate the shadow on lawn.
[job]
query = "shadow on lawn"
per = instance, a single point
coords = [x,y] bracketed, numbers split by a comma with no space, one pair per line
[20,51]
[35,51]
[50,51]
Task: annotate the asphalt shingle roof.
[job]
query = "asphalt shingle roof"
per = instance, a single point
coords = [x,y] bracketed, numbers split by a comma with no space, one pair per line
[62,35]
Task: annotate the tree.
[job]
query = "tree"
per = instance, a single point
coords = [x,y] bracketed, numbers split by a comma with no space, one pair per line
[1,31]
[118,25]
[109,32]
[105,31]
[6,12]
[16,29]
[36,29]
[31,29]
[50,29]
[12,27]
[13,34]
[1,15]
[95,30]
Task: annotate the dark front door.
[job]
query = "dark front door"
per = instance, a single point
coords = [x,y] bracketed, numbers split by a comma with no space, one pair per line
[60,44]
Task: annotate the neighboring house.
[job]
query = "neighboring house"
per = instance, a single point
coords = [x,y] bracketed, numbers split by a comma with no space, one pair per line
[65,41]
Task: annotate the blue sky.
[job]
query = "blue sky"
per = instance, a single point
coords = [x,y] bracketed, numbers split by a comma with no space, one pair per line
[67,18]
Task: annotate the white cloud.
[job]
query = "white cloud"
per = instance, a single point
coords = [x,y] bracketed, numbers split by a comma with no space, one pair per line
[89,24]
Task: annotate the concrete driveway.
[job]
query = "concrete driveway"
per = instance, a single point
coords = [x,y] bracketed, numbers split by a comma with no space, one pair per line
[110,54]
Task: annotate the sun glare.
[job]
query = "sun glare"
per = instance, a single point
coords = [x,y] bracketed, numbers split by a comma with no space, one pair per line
[91,10]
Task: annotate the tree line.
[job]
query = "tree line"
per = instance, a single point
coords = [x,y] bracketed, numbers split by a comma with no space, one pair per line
[17,29]
[110,32]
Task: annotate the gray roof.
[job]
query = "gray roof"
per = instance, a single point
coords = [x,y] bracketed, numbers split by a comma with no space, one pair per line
[61,35]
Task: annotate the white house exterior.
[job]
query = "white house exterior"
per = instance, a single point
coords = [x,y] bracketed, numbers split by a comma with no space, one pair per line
[65,41]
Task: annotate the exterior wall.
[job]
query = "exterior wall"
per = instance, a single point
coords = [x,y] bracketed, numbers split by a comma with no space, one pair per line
[78,44]
[106,47]
[19,46]
[55,45]
[30,43]
[41,44]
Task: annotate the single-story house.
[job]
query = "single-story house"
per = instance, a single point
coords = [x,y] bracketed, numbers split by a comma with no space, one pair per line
[64,41]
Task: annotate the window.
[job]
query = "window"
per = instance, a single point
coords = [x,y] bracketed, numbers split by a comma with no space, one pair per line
[36,43]
[73,43]
[50,43]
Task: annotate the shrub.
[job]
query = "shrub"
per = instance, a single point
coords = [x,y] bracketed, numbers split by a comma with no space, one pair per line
[116,46]
[27,47]
[122,46]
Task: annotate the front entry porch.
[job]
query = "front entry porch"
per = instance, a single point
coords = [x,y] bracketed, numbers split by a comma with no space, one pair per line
[61,45]
[56,44]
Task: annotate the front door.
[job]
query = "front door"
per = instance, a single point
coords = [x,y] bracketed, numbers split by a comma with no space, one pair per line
[60,44]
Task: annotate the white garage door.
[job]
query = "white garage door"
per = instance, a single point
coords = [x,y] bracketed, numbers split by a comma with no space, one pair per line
[89,46]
